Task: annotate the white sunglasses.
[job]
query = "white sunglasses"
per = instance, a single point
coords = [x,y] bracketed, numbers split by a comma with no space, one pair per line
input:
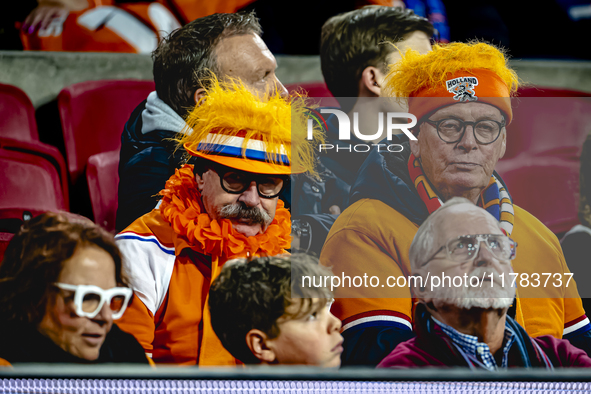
[89,300]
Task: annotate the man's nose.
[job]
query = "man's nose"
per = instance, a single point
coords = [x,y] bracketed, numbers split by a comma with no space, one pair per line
[280,89]
[468,141]
[250,197]
[485,257]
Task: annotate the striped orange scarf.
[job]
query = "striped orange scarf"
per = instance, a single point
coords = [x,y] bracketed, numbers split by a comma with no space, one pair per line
[494,198]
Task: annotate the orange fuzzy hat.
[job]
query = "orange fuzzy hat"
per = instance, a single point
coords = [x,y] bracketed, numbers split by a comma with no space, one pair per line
[233,127]
[450,74]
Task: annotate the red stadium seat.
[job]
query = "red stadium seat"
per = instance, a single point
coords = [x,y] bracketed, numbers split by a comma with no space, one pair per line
[93,114]
[545,186]
[30,184]
[315,89]
[36,151]
[17,115]
[544,142]
[33,180]
[549,121]
[103,180]
[4,241]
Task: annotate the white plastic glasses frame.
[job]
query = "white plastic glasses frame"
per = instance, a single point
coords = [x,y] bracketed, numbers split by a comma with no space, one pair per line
[106,296]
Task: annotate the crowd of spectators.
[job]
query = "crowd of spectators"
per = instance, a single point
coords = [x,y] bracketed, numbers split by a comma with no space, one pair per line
[216,162]
[52,24]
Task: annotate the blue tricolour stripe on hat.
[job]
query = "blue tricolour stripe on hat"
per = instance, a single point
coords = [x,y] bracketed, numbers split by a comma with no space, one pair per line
[233,151]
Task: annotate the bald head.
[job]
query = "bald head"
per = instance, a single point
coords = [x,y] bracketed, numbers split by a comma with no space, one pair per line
[461,240]
[458,216]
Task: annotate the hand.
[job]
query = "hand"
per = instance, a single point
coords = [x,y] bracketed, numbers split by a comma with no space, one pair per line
[335,210]
[295,242]
[42,16]
[300,231]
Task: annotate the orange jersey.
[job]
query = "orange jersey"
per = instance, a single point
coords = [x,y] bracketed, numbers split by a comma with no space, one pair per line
[131,28]
[168,315]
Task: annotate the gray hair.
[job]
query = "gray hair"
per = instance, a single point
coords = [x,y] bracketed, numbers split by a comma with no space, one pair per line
[185,60]
[422,246]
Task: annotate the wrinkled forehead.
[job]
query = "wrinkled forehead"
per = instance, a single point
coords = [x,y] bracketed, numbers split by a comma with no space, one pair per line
[468,112]
[258,41]
[464,219]
[237,173]
[246,50]
[416,40]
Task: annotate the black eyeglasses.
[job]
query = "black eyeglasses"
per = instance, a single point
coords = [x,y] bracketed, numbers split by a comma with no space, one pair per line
[236,182]
[452,130]
[465,247]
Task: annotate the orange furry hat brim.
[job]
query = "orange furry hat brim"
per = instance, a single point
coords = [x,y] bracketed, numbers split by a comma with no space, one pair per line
[480,68]
[233,127]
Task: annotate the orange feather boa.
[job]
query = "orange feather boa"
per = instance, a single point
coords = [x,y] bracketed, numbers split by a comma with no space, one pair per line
[182,207]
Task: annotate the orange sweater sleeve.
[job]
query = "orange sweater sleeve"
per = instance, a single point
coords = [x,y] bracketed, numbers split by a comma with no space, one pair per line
[365,254]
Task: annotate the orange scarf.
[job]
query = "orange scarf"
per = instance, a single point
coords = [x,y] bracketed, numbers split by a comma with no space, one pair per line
[182,207]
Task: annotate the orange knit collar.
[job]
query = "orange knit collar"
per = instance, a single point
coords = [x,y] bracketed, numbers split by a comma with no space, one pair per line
[181,206]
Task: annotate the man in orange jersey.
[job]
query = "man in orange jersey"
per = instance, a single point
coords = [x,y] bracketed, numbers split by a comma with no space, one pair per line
[223,206]
[460,96]
[97,26]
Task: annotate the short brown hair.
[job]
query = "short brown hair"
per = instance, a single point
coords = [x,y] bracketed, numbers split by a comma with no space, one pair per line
[255,294]
[184,60]
[34,260]
[352,41]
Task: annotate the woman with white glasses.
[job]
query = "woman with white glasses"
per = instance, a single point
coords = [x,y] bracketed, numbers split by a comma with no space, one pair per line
[61,287]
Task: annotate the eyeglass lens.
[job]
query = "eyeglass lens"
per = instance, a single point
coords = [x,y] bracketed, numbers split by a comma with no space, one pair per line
[486,131]
[91,302]
[267,185]
[465,248]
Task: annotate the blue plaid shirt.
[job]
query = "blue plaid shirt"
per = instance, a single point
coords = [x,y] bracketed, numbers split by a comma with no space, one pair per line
[478,352]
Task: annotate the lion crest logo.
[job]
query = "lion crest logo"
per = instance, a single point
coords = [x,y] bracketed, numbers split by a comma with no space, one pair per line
[462,88]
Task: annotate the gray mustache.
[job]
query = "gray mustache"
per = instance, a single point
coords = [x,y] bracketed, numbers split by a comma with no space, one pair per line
[239,211]
[478,272]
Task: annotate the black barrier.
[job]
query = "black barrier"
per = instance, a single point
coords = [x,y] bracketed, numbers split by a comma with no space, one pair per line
[133,379]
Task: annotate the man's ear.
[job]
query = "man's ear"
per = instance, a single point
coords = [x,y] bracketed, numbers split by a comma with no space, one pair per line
[415,148]
[504,142]
[371,79]
[200,181]
[421,291]
[199,95]
[256,340]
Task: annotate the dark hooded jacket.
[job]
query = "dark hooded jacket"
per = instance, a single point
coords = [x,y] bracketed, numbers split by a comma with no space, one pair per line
[312,198]
[147,159]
